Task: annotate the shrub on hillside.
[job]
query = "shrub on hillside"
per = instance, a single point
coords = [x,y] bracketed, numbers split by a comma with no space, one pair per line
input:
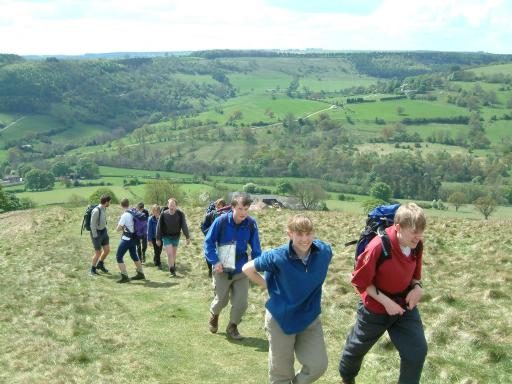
[159,192]
[96,196]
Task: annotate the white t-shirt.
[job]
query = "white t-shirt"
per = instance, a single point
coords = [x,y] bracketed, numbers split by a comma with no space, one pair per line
[127,220]
[406,251]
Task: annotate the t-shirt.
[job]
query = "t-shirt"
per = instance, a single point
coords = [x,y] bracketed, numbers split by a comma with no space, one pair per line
[127,220]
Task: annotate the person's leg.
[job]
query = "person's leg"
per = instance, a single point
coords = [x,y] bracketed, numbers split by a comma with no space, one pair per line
[368,329]
[156,253]
[311,353]
[239,297]
[138,265]
[409,339]
[94,261]
[171,257]
[280,352]
[121,250]
[105,250]
[137,241]
[210,268]
[221,287]
[144,241]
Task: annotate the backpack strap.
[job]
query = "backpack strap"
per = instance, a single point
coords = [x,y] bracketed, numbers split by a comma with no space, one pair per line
[386,248]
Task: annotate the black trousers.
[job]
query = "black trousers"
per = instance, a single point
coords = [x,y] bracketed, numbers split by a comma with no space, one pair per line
[142,246]
[406,334]
[157,252]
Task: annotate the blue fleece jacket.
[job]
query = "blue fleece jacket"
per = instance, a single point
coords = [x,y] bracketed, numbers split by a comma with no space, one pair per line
[295,288]
[241,233]
[152,222]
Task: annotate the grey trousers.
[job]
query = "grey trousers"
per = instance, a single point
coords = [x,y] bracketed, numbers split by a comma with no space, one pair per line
[406,333]
[308,346]
[236,290]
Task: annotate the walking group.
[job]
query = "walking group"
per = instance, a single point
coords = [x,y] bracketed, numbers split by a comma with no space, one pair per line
[293,276]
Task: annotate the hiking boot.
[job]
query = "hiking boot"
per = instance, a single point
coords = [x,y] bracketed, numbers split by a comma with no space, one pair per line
[139,276]
[159,266]
[173,271]
[124,279]
[144,259]
[93,272]
[232,332]
[348,381]
[213,323]
[101,267]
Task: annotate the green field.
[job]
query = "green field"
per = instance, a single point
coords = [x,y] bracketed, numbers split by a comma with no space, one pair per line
[492,69]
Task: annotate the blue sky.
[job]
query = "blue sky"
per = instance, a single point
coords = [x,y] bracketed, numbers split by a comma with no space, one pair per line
[49,27]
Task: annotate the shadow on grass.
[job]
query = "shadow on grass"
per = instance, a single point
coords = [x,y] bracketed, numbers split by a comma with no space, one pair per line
[158,284]
[145,283]
[259,345]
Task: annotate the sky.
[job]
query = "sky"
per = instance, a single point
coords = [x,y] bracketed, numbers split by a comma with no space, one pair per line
[75,27]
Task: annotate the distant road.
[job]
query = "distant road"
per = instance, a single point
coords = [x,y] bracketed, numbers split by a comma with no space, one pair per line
[11,124]
[326,109]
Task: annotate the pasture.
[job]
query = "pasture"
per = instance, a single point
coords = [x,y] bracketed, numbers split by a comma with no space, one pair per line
[58,325]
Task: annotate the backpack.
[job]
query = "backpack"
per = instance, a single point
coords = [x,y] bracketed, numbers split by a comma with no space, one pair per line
[378,220]
[211,207]
[86,222]
[210,217]
[140,223]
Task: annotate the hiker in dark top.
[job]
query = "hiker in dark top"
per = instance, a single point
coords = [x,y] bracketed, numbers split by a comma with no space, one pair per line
[171,223]
[142,241]
[99,235]
[152,223]
[389,295]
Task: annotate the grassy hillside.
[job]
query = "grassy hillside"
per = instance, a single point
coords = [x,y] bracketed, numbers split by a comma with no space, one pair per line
[58,325]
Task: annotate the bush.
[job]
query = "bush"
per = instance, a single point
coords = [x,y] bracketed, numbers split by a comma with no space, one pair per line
[96,196]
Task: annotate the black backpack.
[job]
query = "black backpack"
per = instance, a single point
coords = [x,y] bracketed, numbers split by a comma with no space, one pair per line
[86,222]
[378,220]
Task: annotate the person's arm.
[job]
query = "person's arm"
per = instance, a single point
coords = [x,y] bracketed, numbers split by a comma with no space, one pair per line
[184,227]
[391,307]
[210,246]
[95,221]
[159,230]
[121,224]
[414,295]
[250,271]
[254,241]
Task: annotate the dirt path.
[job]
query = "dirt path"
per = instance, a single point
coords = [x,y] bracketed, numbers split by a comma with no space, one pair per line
[11,124]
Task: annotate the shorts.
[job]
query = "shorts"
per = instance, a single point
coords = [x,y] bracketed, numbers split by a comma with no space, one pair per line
[101,240]
[167,240]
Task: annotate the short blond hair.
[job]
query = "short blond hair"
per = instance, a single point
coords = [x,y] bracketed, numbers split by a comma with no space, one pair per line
[411,216]
[300,224]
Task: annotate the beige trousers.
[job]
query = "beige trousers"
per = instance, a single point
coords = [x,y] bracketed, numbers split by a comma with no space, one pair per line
[308,346]
[236,290]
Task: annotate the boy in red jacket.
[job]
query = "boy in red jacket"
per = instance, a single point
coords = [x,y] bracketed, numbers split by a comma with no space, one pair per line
[389,294]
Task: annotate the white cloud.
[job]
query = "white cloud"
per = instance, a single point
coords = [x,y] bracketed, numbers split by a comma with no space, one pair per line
[75,26]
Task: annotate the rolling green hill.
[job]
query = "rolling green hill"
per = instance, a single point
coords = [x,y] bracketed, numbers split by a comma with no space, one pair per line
[335,117]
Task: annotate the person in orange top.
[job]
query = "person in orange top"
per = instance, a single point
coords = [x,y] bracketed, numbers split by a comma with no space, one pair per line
[389,295]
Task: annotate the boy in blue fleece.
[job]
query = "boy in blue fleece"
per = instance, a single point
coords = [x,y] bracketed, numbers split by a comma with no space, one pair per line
[294,275]
[234,232]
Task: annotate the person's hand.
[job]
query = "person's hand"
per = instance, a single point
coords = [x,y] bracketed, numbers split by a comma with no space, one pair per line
[159,243]
[393,308]
[413,297]
[218,268]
